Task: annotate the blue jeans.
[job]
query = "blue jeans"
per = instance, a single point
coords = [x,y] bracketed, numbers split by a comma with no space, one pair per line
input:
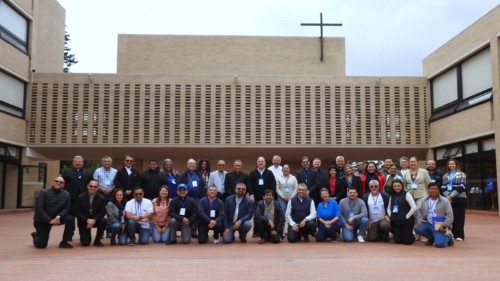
[283,204]
[242,231]
[427,230]
[115,229]
[134,227]
[163,237]
[359,228]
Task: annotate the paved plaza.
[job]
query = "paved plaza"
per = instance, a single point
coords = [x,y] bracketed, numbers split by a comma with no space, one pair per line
[477,258]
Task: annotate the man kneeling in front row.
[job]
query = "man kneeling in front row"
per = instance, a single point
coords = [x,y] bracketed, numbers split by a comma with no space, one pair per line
[90,209]
[269,218]
[300,215]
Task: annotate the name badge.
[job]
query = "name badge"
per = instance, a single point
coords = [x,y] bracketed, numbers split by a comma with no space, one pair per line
[173,181]
[351,214]
[375,210]
[287,189]
[194,183]
[450,187]
[182,212]
[395,209]
[261,181]
[414,186]
[212,213]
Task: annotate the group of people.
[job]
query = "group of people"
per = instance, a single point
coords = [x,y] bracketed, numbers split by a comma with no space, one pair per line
[408,201]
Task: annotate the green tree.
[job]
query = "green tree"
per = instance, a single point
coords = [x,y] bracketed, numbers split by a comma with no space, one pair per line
[69,59]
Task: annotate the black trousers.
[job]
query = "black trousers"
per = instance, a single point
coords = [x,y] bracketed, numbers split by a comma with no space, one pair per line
[458,219]
[43,231]
[265,231]
[203,232]
[308,229]
[86,235]
[403,232]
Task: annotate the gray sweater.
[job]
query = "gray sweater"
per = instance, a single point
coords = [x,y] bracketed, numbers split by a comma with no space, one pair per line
[442,209]
[358,208]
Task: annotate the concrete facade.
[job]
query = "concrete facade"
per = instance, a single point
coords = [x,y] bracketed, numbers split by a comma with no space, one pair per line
[234,55]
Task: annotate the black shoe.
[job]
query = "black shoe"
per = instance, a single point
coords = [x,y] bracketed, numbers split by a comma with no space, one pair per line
[450,241]
[429,242]
[306,238]
[171,242]
[243,240]
[98,243]
[113,241]
[132,242]
[194,235]
[65,245]
[70,239]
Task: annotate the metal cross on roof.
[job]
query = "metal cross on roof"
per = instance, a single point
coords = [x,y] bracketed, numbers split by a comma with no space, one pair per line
[321,24]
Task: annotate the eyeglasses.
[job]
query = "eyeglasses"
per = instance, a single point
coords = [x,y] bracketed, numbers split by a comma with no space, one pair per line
[221,165]
[93,186]
[58,181]
[138,194]
[129,161]
[373,185]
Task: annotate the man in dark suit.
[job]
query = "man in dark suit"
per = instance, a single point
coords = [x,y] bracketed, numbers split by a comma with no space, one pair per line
[238,210]
[151,180]
[306,174]
[183,211]
[320,180]
[127,178]
[260,179]
[90,209]
[234,177]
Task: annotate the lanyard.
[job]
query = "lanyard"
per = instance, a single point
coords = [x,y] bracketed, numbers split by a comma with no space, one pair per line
[221,177]
[138,211]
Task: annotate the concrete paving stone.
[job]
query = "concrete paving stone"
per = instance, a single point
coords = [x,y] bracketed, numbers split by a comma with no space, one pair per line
[476,258]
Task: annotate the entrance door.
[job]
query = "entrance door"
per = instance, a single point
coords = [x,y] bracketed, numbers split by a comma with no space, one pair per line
[33,179]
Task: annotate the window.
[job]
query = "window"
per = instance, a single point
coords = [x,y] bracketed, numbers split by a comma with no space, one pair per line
[467,84]
[12,94]
[13,26]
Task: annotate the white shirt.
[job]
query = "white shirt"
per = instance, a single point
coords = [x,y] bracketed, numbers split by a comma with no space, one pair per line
[217,178]
[283,182]
[140,209]
[105,177]
[288,213]
[277,171]
[376,209]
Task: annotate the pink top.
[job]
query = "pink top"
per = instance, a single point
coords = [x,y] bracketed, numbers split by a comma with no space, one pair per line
[160,216]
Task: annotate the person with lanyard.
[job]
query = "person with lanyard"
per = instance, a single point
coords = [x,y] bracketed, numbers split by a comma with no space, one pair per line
[138,212]
[350,180]
[183,213]
[320,180]
[370,174]
[393,174]
[161,232]
[340,166]
[435,174]
[193,181]
[300,215]
[105,175]
[454,183]
[52,207]
[171,177]
[354,216]
[116,220]
[234,177]
[259,180]
[328,216]
[286,187]
[90,209]
[416,181]
[217,179]
[400,209]
[270,217]
[306,174]
[376,203]
[76,178]
[127,177]
[238,210]
[435,218]
[211,213]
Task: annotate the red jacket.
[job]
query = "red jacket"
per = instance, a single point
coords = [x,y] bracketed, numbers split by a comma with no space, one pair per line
[380,178]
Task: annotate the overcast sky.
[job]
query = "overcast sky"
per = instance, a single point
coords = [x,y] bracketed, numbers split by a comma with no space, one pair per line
[383,37]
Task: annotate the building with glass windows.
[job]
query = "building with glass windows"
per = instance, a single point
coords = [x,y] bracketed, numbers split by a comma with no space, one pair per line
[237,97]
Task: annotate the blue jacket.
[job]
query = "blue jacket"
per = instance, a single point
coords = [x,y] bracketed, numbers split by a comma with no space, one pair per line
[204,208]
[245,213]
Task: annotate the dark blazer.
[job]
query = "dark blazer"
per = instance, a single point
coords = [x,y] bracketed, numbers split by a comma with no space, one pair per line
[341,188]
[198,192]
[189,204]
[279,215]
[306,178]
[204,211]
[245,210]
[76,185]
[83,210]
[151,181]
[126,182]
[385,198]
[233,178]
[320,179]
[257,190]
[50,203]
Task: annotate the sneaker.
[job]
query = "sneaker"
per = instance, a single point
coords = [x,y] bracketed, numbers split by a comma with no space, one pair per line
[423,239]
[131,243]
[216,241]
[262,241]
[460,239]
[334,240]
[361,239]
[98,243]
[65,245]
